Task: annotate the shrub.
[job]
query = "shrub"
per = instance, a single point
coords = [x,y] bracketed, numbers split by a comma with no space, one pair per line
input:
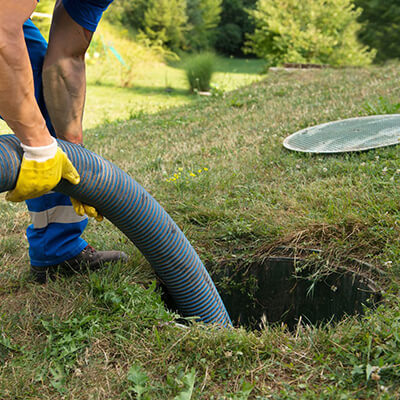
[308,31]
[199,70]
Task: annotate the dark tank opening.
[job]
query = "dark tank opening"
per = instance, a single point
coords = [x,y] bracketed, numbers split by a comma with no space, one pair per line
[286,289]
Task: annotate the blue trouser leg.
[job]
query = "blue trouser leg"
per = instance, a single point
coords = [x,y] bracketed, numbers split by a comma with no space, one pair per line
[54,235]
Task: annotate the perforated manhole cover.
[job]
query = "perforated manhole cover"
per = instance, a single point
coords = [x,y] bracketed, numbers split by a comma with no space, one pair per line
[354,134]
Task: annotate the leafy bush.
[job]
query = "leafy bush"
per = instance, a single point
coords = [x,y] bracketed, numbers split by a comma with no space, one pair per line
[199,70]
[308,31]
[381,29]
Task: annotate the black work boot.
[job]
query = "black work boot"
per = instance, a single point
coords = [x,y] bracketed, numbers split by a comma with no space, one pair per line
[87,259]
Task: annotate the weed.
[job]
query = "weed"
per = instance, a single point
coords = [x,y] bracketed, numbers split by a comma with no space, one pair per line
[217,91]
[380,107]
[5,346]
[138,380]
[66,340]
[188,381]
[186,175]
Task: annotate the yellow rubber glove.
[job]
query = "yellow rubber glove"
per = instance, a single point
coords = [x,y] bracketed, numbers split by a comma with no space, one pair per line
[82,209]
[41,170]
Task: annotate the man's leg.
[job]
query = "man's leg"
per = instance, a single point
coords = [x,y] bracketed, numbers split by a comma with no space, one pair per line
[64,76]
[54,235]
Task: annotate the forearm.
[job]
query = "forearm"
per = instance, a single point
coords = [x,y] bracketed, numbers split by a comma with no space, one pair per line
[64,87]
[18,105]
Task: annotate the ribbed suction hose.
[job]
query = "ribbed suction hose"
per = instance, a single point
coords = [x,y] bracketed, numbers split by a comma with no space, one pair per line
[139,216]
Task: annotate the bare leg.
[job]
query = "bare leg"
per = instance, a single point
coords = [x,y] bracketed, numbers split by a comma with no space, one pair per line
[64,78]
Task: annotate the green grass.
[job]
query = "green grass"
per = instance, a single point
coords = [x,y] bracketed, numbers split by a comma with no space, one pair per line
[144,83]
[154,87]
[217,165]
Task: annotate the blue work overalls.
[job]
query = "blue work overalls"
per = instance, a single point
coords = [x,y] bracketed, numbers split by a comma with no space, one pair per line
[54,235]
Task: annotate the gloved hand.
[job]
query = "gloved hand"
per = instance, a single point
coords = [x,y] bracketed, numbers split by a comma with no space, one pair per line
[41,170]
[82,209]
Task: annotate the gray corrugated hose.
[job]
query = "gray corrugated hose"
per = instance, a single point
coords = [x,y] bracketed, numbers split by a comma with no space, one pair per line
[138,215]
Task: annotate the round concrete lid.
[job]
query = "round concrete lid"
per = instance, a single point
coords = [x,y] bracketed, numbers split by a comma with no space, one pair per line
[354,134]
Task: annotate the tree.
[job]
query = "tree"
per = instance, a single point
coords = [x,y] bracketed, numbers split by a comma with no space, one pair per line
[203,18]
[308,31]
[128,12]
[165,22]
[381,27]
[235,24]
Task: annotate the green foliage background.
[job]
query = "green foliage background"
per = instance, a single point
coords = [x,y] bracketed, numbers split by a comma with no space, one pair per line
[235,24]
[165,22]
[129,13]
[316,31]
[176,24]
[203,18]
[310,31]
[381,27]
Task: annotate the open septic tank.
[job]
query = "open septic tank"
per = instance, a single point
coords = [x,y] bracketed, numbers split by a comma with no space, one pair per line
[289,289]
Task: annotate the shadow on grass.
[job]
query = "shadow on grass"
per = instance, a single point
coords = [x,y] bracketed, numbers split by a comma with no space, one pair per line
[231,66]
[144,90]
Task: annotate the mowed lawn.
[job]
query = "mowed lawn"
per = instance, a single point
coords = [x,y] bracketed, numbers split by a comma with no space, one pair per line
[154,86]
[217,165]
